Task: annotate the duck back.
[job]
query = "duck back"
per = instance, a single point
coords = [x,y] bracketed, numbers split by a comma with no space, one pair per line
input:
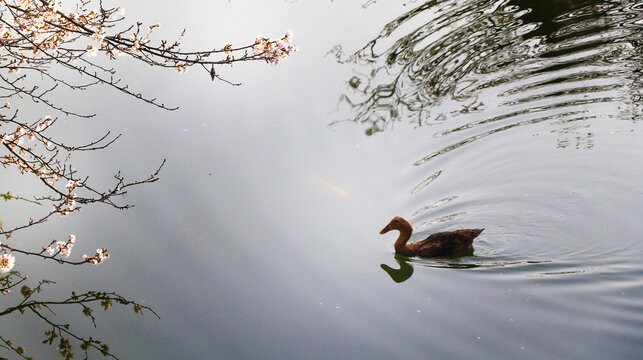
[446,243]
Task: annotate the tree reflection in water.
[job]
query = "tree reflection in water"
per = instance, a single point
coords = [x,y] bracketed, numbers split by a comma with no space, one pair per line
[536,59]
[59,333]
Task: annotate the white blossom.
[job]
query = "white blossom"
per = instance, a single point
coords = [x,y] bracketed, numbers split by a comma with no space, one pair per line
[6,262]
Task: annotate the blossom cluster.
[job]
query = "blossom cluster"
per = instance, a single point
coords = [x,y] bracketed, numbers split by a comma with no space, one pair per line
[67,206]
[24,132]
[62,248]
[42,28]
[38,32]
[72,184]
[20,141]
[36,28]
[99,257]
[6,262]
[274,49]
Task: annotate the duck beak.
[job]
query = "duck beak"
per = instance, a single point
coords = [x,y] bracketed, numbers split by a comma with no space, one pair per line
[385,230]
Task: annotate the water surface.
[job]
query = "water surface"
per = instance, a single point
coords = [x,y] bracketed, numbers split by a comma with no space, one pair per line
[261,241]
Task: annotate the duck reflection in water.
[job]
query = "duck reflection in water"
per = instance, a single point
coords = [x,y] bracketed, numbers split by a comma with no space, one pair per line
[442,244]
[403,273]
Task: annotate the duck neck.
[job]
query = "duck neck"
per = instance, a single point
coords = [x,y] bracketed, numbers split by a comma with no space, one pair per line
[400,244]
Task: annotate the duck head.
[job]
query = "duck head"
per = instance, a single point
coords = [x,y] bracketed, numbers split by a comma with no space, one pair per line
[397,223]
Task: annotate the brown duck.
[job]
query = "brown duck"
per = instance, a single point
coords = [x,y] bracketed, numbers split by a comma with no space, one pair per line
[441,244]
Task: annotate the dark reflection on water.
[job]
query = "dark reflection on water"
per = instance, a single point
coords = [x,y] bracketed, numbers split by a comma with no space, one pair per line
[572,53]
[403,273]
[406,265]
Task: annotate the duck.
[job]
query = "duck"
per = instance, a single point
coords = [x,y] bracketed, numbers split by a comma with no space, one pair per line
[441,244]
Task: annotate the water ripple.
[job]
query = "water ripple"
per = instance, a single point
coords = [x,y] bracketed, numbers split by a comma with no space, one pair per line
[434,205]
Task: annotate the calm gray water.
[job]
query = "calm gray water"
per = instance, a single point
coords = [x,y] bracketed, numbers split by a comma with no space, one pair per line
[261,241]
